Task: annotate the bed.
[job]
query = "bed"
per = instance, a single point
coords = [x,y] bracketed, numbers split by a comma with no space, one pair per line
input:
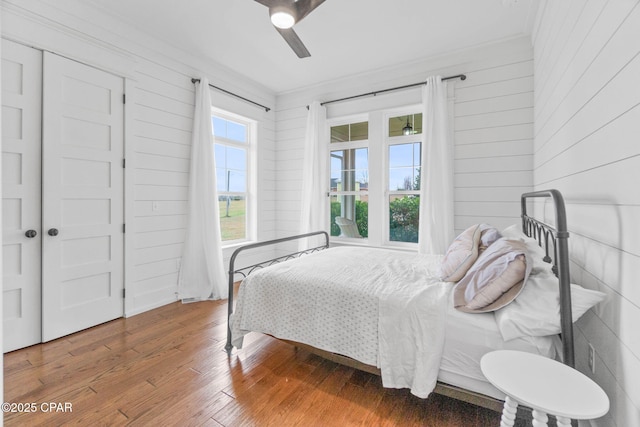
[391,313]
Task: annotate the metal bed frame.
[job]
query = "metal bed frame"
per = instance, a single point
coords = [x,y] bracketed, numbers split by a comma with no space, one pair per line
[245,271]
[553,239]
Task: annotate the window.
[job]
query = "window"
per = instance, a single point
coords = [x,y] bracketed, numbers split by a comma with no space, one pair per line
[375,176]
[232,148]
[403,170]
[349,180]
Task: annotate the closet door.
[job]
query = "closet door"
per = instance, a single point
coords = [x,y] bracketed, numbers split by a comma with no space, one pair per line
[82,197]
[21,234]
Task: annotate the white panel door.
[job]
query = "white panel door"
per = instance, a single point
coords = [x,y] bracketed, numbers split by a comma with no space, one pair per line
[82,197]
[21,133]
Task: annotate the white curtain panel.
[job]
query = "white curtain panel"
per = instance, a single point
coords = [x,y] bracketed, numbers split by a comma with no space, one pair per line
[315,185]
[202,274]
[436,230]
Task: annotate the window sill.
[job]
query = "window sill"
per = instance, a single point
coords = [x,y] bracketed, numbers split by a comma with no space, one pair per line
[237,244]
[365,243]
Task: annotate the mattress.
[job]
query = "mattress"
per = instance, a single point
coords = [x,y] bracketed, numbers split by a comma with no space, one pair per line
[468,337]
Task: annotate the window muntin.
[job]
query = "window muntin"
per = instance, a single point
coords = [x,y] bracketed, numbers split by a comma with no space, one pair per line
[232,159]
[349,180]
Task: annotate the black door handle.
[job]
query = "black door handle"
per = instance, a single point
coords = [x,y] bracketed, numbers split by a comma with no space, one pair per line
[52,232]
[31,234]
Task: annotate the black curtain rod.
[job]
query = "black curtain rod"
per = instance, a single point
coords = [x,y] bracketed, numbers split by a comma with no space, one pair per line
[459,76]
[267,109]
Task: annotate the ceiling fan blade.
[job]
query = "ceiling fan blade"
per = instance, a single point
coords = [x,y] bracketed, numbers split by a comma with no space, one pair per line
[267,3]
[294,41]
[305,7]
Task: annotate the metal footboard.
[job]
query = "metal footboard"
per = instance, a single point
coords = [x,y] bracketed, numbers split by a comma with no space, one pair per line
[245,271]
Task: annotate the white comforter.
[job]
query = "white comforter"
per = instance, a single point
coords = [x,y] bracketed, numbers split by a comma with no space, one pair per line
[381,307]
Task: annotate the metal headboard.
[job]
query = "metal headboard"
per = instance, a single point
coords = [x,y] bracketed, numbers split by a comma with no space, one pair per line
[245,271]
[556,236]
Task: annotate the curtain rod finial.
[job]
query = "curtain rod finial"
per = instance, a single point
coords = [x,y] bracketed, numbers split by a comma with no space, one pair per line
[194,80]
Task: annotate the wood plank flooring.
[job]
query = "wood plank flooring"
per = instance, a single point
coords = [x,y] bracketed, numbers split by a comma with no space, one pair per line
[168,367]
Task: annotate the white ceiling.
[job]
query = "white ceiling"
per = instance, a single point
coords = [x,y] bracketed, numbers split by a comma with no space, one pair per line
[345,37]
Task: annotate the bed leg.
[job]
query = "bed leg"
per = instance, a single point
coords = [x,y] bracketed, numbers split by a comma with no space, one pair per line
[228,347]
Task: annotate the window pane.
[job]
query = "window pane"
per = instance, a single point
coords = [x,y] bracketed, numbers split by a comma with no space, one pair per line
[231,168]
[350,216]
[237,181]
[405,125]
[404,166]
[233,217]
[219,126]
[236,158]
[228,129]
[340,133]
[402,179]
[221,179]
[220,155]
[349,169]
[359,131]
[404,215]
[350,132]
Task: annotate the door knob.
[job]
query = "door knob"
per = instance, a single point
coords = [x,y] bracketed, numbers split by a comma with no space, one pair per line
[31,234]
[52,232]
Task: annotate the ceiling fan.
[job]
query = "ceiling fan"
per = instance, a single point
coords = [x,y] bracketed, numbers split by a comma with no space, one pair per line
[285,14]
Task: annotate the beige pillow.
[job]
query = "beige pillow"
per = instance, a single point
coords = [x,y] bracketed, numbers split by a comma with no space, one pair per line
[465,249]
[461,254]
[496,278]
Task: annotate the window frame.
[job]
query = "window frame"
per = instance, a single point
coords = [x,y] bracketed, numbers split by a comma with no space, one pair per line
[387,142]
[341,146]
[249,146]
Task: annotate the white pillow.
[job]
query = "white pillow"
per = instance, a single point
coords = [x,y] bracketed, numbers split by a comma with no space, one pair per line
[514,232]
[536,311]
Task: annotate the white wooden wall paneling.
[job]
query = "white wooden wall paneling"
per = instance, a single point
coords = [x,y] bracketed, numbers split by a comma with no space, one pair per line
[517,147]
[501,133]
[485,209]
[589,58]
[500,178]
[493,105]
[612,142]
[516,116]
[590,117]
[561,37]
[586,122]
[560,11]
[495,89]
[561,59]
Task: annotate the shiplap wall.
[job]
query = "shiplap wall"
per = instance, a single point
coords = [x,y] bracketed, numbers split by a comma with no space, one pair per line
[158,120]
[492,128]
[587,122]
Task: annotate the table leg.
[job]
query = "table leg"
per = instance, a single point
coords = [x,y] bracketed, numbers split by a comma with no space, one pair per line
[539,419]
[563,422]
[509,412]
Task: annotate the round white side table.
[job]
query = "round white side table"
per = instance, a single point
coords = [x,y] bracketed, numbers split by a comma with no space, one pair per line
[545,385]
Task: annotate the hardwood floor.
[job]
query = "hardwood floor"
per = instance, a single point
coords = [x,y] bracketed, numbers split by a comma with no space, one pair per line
[168,367]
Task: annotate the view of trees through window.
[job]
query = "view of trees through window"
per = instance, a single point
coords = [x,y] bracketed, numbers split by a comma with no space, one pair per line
[349,187]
